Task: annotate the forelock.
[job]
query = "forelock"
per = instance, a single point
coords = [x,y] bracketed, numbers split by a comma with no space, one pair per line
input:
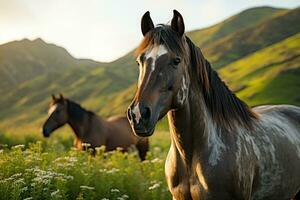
[163,35]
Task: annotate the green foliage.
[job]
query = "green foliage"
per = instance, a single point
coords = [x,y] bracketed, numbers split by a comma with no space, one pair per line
[45,171]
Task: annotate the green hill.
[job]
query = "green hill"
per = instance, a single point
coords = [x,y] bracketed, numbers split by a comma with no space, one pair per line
[23,60]
[268,76]
[243,42]
[31,70]
[245,19]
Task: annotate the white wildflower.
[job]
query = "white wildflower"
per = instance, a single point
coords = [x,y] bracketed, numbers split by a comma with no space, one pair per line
[104,199]
[16,175]
[157,149]
[69,177]
[20,181]
[85,145]
[73,159]
[154,186]
[102,170]
[24,189]
[102,148]
[19,146]
[28,198]
[84,187]
[114,190]
[113,170]
[125,196]
[156,160]
[54,193]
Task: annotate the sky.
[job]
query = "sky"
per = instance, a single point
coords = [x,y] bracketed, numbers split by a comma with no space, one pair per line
[105,30]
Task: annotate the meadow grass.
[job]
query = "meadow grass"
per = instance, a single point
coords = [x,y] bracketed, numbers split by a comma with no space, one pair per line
[52,169]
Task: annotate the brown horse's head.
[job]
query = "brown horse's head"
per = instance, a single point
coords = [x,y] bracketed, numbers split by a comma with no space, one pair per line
[58,115]
[162,58]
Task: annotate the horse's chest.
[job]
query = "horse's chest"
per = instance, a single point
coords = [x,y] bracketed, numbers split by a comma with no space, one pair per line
[194,182]
[184,183]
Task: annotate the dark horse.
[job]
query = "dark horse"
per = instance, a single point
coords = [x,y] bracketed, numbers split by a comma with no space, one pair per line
[220,148]
[92,129]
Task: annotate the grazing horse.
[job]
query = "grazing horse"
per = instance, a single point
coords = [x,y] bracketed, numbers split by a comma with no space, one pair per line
[92,129]
[220,148]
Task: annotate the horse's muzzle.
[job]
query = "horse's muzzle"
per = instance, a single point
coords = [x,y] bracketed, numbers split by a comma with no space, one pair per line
[46,132]
[139,117]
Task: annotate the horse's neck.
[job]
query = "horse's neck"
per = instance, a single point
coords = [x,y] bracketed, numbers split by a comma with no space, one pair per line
[79,127]
[82,128]
[190,126]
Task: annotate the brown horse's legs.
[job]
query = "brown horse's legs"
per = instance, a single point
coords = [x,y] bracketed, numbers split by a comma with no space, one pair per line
[142,147]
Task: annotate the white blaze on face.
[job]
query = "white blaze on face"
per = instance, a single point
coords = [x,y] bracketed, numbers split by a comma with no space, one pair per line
[52,109]
[153,53]
[137,113]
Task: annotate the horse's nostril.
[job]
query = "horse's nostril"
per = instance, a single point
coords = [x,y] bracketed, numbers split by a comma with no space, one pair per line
[146,113]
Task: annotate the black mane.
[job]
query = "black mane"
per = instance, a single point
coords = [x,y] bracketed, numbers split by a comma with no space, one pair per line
[76,111]
[222,103]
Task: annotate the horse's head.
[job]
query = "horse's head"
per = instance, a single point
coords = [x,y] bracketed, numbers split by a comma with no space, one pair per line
[58,115]
[163,83]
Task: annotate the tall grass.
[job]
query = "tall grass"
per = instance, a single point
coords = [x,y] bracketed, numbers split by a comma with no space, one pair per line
[51,170]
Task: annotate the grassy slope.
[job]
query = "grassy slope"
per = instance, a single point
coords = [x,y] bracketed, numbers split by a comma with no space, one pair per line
[243,42]
[245,19]
[268,76]
[23,60]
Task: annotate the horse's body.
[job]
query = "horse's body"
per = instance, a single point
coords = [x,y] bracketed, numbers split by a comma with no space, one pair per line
[209,163]
[220,148]
[92,129]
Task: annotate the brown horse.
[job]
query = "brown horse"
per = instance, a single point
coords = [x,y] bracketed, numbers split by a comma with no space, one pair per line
[92,129]
[220,148]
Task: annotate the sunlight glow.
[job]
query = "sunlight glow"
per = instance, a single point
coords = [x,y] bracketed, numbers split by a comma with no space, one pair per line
[105,30]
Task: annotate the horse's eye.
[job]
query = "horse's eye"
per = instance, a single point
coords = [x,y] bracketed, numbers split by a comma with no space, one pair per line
[176,61]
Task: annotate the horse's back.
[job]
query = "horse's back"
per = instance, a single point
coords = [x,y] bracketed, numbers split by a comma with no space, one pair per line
[291,111]
[280,148]
[121,131]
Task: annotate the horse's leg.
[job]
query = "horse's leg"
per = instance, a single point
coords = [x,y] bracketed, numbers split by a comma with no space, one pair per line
[142,147]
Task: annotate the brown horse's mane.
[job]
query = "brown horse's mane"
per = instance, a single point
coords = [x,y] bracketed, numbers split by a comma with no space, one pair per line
[223,105]
[75,110]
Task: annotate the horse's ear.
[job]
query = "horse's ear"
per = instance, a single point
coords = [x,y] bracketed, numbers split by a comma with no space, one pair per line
[146,23]
[177,23]
[53,97]
[61,96]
